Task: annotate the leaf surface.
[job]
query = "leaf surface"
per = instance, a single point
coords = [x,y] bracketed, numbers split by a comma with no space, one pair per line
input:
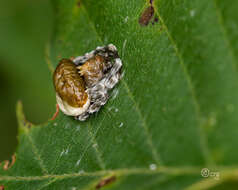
[173,113]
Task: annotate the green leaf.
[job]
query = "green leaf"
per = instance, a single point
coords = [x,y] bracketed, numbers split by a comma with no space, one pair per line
[175,111]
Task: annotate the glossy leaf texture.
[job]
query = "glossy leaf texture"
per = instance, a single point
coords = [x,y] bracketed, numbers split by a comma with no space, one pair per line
[173,113]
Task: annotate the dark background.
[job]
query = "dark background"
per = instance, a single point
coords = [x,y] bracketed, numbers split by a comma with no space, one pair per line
[25,30]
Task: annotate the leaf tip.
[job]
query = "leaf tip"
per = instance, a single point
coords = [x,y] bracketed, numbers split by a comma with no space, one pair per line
[23,124]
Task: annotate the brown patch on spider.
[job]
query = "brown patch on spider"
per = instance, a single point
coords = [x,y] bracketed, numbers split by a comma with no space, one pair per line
[1,187]
[82,86]
[146,16]
[9,163]
[105,182]
[92,70]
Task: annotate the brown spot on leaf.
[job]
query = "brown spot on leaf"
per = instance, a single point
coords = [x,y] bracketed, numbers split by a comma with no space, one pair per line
[1,187]
[78,3]
[9,163]
[146,16]
[105,182]
[155,20]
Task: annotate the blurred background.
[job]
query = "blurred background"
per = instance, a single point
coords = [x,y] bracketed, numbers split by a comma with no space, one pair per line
[25,29]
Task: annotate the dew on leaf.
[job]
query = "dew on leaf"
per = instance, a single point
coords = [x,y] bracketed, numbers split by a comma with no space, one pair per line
[192,13]
[113,109]
[61,154]
[121,125]
[123,49]
[78,162]
[126,19]
[81,171]
[123,73]
[114,93]
[67,151]
[153,166]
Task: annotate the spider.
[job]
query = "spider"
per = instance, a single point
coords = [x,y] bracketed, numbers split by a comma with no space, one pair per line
[82,84]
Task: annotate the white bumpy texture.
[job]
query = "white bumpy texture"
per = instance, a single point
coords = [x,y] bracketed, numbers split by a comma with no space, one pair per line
[99,93]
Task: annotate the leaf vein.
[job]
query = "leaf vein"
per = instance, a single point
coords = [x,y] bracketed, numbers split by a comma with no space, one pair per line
[37,154]
[131,171]
[225,34]
[47,184]
[145,126]
[202,136]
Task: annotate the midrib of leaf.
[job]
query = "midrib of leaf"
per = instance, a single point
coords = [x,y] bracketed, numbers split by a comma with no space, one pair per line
[165,170]
[203,143]
[203,184]
[131,96]
[225,34]
[203,140]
